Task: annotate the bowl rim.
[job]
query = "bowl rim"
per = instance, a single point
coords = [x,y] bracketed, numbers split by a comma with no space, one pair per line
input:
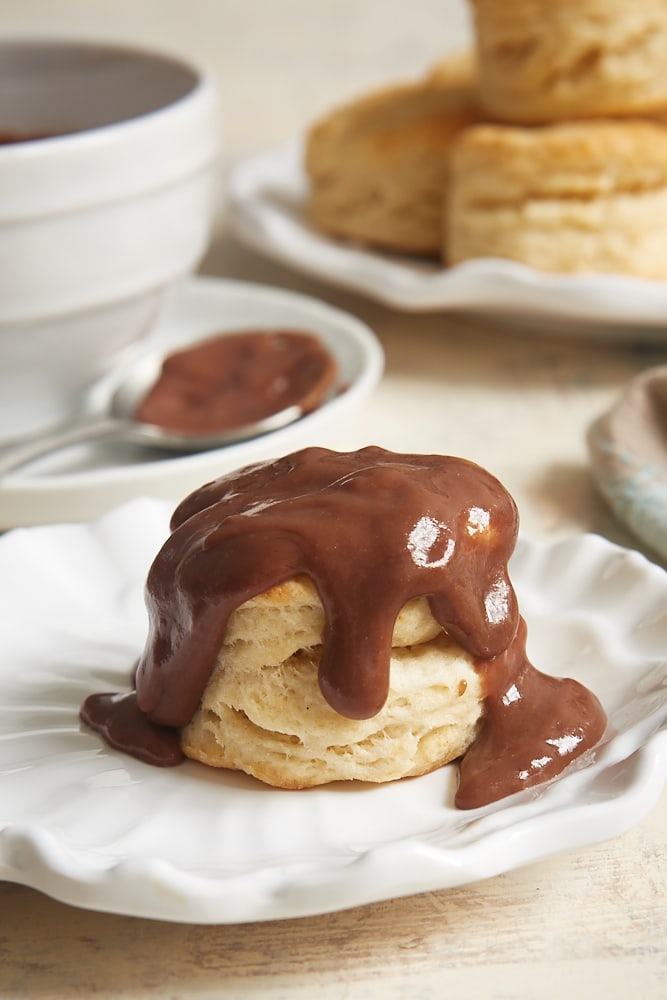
[200,80]
[30,169]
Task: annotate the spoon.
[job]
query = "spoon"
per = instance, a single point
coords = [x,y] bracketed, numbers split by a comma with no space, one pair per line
[117,422]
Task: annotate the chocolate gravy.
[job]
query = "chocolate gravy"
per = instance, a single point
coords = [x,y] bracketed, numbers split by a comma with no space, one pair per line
[236,379]
[10,137]
[373,530]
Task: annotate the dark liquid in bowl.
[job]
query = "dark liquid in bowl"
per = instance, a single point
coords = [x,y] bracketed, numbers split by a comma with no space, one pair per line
[10,136]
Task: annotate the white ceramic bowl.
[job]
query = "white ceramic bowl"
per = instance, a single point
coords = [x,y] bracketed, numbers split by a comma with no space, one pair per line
[98,218]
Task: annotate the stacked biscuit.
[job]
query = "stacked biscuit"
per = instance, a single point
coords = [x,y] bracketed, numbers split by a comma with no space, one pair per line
[548,146]
[263,711]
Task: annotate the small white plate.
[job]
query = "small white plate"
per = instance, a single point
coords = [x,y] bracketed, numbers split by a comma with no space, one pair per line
[97,829]
[83,483]
[266,196]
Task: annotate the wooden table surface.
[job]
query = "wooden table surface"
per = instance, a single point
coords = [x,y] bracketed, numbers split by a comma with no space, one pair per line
[589,922]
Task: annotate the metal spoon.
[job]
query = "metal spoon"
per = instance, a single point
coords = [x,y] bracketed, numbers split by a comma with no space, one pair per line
[117,421]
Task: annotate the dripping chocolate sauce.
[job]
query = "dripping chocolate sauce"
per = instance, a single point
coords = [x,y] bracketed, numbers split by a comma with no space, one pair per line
[373,530]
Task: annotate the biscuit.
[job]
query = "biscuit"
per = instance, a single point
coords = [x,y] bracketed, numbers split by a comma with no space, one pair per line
[572,197]
[377,167]
[546,60]
[262,711]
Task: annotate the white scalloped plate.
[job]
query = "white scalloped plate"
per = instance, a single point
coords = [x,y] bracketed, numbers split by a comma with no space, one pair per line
[97,829]
[266,195]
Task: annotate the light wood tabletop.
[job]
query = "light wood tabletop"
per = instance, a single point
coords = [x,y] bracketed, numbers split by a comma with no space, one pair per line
[517,398]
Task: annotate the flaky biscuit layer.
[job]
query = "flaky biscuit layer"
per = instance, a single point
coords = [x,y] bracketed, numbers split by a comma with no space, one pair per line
[263,712]
[573,197]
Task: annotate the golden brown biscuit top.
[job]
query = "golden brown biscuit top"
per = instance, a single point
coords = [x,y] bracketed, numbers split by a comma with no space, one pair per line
[429,110]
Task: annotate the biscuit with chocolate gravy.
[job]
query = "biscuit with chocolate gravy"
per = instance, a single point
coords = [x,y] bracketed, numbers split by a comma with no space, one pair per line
[377,167]
[546,60]
[304,616]
[573,197]
[263,712]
